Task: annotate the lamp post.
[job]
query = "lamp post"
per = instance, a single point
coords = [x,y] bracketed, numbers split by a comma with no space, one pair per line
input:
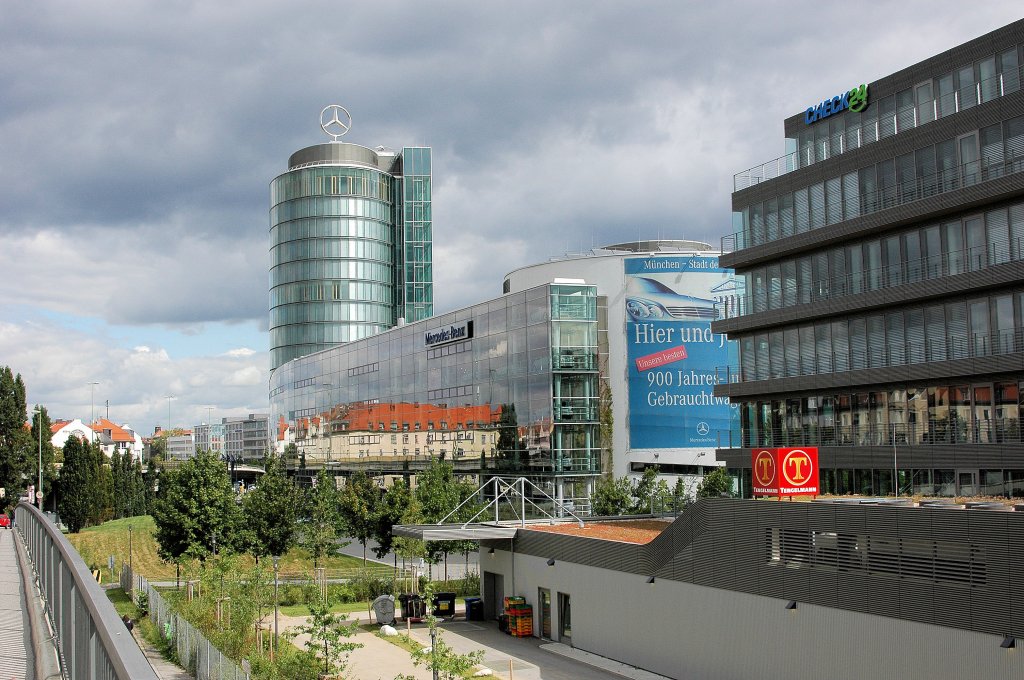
[433,650]
[276,560]
[169,397]
[92,411]
[39,425]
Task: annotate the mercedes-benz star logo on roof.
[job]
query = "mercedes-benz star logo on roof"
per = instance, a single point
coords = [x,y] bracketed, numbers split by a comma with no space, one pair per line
[335,120]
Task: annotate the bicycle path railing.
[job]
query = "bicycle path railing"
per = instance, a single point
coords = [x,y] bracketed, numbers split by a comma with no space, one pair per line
[92,641]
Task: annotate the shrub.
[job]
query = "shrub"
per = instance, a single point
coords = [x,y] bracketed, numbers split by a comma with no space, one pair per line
[142,602]
[290,595]
[368,586]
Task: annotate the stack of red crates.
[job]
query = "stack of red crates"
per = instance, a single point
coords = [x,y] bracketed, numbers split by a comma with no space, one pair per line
[520,616]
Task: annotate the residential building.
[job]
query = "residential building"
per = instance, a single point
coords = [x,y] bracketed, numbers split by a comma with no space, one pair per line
[120,438]
[62,429]
[350,243]
[882,258]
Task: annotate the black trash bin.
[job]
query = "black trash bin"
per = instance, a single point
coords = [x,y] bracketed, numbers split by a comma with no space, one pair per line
[474,609]
[444,604]
[412,606]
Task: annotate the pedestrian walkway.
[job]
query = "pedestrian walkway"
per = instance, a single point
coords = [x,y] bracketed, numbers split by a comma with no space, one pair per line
[15,634]
[164,669]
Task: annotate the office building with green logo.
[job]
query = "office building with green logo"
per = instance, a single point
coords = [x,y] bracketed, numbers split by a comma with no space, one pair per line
[882,261]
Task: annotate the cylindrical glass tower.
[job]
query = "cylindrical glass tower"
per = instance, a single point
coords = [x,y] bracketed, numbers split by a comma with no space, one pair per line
[332,249]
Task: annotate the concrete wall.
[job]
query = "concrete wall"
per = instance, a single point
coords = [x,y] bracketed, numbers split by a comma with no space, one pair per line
[682,630]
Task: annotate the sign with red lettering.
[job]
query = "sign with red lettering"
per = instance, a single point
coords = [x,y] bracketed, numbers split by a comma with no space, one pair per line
[785,472]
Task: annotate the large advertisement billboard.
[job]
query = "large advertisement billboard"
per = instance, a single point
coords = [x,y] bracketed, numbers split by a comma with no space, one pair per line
[672,353]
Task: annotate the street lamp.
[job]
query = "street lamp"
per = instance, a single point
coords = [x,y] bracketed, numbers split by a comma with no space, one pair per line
[169,397]
[39,425]
[276,560]
[92,411]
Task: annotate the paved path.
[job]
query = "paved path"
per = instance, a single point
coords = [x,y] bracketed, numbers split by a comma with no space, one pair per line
[165,670]
[528,658]
[16,660]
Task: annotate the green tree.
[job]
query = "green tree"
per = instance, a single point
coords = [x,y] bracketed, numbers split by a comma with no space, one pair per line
[410,548]
[152,484]
[158,447]
[74,504]
[391,510]
[15,442]
[319,535]
[714,484]
[611,496]
[643,491]
[439,494]
[328,633]
[271,510]
[137,489]
[196,514]
[357,507]
[100,487]
[122,479]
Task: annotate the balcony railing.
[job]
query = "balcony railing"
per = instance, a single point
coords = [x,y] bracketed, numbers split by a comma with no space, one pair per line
[934,184]
[788,293]
[574,359]
[950,430]
[794,361]
[906,118]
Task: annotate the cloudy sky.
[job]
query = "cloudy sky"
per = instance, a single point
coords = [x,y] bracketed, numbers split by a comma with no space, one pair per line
[138,140]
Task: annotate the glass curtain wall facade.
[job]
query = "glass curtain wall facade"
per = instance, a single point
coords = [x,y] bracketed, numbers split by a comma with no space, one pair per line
[508,386]
[414,222]
[882,313]
[343,222]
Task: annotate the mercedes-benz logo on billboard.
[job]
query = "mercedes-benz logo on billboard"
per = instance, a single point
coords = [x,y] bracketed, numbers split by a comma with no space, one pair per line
[703,428]
[335,120]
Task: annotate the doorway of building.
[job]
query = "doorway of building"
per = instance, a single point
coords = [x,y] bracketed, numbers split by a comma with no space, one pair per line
[564,619]
[544,598]
[494,591]
[967,482]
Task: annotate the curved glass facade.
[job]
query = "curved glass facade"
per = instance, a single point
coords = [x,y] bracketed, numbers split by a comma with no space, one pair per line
[338,235]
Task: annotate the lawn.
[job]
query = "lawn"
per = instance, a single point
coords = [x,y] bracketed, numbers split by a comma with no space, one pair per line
[96,544]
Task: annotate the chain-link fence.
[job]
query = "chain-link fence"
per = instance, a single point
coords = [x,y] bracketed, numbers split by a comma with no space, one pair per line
[194,651]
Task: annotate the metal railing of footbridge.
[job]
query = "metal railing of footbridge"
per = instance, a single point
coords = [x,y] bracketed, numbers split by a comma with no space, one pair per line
[92,641]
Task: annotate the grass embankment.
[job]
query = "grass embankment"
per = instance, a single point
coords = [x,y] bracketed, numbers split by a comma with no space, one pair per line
[97,544]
